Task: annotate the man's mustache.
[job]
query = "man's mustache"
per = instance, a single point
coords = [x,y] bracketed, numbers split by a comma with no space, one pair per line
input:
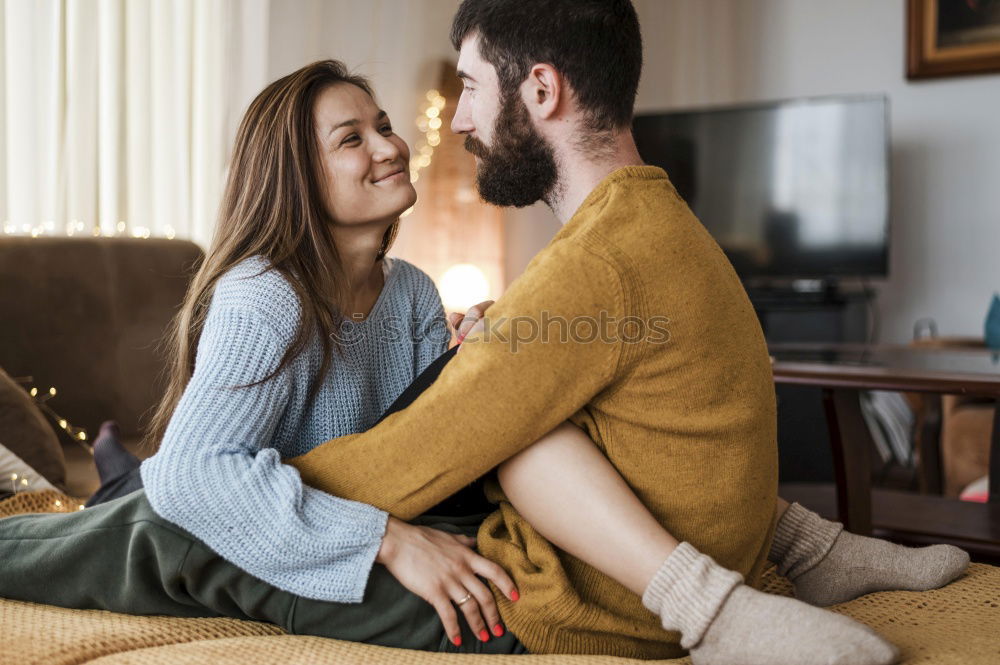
[476,147]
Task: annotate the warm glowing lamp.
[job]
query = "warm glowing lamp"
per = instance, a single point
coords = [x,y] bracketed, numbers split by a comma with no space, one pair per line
[462,286]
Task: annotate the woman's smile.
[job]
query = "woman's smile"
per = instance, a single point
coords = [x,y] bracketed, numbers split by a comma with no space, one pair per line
[392,178]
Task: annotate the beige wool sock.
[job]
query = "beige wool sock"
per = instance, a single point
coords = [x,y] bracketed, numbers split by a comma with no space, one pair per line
[828,565]
[724,622]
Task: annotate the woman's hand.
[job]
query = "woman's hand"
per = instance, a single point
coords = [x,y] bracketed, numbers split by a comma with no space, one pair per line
[442,569]
[472,321]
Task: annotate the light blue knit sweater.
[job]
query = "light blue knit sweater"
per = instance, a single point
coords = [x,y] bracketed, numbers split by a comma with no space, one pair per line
[218,473]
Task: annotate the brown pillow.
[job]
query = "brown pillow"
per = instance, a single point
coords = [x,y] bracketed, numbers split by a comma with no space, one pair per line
[25,432]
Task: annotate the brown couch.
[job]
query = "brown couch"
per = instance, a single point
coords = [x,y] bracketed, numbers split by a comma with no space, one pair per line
[84,315]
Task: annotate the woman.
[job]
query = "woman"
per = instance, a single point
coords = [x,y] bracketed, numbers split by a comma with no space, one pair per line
[291,335]
[297,327]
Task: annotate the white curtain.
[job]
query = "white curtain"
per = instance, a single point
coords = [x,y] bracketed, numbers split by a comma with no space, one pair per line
[116,116]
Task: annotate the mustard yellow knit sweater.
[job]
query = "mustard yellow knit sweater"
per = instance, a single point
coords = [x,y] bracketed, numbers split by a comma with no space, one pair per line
[654,349]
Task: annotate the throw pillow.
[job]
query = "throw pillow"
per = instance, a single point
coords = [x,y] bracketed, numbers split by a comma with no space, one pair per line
[26,433]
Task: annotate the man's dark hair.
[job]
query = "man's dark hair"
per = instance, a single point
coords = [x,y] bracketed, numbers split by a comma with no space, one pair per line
[594,44]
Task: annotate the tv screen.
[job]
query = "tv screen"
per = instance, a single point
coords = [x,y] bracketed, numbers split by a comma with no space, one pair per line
[795,189]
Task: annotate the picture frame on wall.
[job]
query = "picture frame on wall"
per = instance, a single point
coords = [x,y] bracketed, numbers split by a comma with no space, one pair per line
[952,37]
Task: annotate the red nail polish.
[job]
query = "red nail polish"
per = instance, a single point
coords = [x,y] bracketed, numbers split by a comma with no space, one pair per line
[515,596]
[459,338]
[484,636]
[498,630]
[457,640]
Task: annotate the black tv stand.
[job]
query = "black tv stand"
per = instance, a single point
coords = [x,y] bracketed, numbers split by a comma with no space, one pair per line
[827,313]
[833,313]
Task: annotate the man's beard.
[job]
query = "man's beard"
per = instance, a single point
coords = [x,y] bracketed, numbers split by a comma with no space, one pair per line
[520,167]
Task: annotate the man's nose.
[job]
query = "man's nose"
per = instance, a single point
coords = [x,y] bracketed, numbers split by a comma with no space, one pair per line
[462,122]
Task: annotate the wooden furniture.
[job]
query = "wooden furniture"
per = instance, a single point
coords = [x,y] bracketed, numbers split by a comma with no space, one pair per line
[843,372]
[952,433]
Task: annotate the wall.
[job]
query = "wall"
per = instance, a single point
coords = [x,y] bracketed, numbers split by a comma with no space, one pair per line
[945,134]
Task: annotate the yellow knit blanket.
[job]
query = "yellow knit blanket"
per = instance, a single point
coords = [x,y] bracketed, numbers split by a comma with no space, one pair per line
[956,625]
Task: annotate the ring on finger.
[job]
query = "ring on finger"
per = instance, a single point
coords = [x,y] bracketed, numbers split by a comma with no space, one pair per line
[467,598]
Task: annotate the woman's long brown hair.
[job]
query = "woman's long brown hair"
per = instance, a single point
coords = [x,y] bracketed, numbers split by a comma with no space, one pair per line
[273,207]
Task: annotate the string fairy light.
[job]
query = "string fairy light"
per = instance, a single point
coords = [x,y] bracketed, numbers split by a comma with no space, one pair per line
[16,482]
[19,483]
[75,227]
[78,434]
[429,123]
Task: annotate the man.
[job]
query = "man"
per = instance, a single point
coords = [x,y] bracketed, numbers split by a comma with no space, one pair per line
[683,406]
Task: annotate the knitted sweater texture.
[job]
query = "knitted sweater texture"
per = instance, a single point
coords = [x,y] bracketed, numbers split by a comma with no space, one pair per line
[633,325]
[219,473]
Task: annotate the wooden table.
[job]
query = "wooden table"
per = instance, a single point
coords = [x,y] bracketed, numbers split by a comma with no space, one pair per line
[843,372]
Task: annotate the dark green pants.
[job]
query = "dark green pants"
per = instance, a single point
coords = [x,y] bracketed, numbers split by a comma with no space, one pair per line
[121,556]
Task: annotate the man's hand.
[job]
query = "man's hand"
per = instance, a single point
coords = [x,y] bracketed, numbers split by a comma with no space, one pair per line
[443,569]
[471,322]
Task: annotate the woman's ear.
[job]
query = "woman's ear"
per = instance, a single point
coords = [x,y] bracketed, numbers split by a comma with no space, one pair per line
[542,91]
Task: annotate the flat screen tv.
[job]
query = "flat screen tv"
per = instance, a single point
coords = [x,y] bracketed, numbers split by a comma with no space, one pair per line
[789,190]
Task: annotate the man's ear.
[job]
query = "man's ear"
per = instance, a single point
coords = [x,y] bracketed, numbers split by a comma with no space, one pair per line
[543,91]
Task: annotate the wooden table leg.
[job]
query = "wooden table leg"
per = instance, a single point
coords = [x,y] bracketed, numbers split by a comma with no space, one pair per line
[850,442]
[928,433]
[994,496]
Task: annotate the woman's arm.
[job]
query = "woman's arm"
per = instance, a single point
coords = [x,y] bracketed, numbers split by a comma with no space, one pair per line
[217,476]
